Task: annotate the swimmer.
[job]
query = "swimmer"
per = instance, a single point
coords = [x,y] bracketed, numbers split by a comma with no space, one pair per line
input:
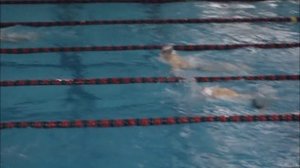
[169,55]
[216,92]
[258,101]
[6,36]
[175,60]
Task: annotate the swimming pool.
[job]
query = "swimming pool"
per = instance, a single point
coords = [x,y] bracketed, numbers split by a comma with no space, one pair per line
[191,146]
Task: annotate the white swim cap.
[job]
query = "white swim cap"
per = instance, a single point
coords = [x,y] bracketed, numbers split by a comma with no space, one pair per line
[207,91]
[167,48]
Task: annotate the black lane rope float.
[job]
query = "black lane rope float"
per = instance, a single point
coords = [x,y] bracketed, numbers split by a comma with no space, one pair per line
[108,1]
[105,123]
[293,19]
[195,47]
[105,81]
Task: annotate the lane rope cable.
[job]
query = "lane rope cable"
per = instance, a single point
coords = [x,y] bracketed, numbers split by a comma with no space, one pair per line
[293,19]
[105,123]
[193,47]
[105,81]
[107,1]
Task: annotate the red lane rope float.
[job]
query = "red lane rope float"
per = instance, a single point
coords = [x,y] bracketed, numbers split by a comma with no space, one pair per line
[105,1]
[152,21]
[102,81]
[105,123]
[196,47]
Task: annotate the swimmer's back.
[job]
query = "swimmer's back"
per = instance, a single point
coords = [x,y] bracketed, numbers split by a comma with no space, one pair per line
[220,92]
[178,62]
[224,92]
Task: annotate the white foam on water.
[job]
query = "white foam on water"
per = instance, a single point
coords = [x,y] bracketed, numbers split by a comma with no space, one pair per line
[13,34]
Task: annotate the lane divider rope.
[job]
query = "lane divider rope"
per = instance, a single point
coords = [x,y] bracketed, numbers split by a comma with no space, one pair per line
[195,47]
[152,21]
[105,123]
[106,1]
[103,81]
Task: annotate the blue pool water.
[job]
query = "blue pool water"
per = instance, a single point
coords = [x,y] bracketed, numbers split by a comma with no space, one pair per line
[209,145]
